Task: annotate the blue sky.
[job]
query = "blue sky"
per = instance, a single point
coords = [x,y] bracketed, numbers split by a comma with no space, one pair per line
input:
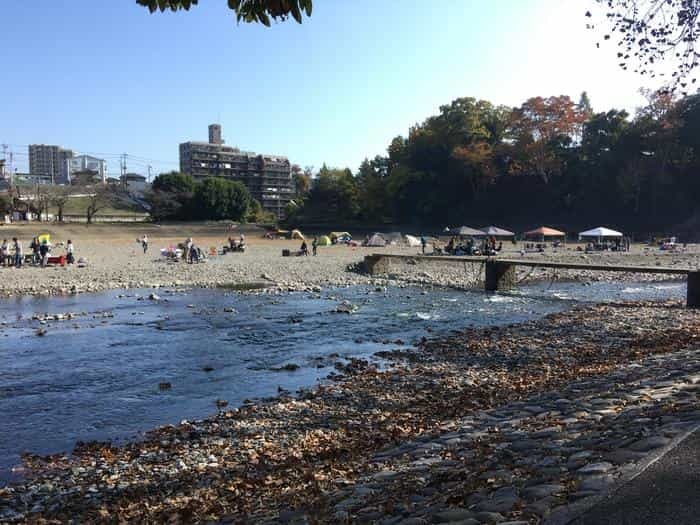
[108,77]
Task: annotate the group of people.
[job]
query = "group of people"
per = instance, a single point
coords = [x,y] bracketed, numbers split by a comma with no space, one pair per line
[486,246]
[236,245]
[304,250]
[192,254]
[12,253]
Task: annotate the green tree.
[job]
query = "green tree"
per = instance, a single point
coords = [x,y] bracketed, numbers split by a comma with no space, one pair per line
[171,196]
[216,198]
[249,11]
[301,180]
[256,213]
[584,104]
[372,191]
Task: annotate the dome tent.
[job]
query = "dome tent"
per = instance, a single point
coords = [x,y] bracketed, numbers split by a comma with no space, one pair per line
[376,240]
[323,240]
[412,241]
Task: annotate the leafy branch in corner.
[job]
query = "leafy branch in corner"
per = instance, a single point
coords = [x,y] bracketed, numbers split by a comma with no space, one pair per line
[653,33]
[248,11]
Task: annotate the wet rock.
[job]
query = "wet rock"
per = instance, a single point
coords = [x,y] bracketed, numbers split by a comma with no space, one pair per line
[289,367]
[595,468]
[165,385]
[207,368]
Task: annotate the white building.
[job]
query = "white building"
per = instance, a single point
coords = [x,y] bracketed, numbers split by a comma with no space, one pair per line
[88,164]
[134,184]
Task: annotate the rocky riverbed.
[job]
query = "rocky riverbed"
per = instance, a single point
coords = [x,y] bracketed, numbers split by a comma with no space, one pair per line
[514,424]
[116,262]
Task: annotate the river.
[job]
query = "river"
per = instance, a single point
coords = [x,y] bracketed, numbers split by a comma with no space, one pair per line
[95,374]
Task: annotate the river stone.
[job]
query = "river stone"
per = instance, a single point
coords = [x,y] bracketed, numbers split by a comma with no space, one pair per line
[541,491]
[622,456]
[498,504]
[646,444]
[413,521]
[450,515]
[596,483]
[595,468]
[489,517]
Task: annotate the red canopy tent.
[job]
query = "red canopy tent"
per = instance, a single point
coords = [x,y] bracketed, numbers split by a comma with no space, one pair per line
[543,232]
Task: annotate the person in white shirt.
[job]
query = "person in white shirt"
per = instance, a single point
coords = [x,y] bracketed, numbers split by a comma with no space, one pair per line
[70,258]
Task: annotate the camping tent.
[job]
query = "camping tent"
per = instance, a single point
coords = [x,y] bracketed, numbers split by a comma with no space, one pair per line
[323,240]
[600,233]
[44,237]
[341,236]
[393,237]
[495,231]
[543,232]
[296,234]
[466,231]
[412,241]
[376,240]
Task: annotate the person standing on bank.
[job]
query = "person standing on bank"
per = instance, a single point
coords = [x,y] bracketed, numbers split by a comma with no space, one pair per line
[18,252]
[314,246]
[44,250]
[70,259]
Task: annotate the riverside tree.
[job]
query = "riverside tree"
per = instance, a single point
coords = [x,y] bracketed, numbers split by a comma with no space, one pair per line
[549,160]
[653,34]
[248,11]
[216,199]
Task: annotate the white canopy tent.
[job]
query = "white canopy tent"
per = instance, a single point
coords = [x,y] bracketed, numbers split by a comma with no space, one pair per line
[412,241]
[600,233]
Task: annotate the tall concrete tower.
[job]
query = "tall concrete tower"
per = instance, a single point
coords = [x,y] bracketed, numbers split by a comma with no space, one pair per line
[215,134]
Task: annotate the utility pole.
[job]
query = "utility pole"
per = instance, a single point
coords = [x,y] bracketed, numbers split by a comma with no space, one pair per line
[123,168]
[4,161]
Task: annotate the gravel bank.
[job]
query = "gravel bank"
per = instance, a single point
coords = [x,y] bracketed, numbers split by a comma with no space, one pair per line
[115,261]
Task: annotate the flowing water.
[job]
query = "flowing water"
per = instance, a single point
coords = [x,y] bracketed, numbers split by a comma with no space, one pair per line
[96,376]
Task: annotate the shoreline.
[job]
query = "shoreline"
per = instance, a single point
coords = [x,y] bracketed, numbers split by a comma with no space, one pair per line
[300,445]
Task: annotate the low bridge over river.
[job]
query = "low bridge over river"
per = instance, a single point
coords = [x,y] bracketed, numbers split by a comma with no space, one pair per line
[500,272]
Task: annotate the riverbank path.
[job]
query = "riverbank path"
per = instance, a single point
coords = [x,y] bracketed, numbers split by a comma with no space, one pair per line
[666,492]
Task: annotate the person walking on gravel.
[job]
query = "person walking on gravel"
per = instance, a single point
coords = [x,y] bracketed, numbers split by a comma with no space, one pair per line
[144,243]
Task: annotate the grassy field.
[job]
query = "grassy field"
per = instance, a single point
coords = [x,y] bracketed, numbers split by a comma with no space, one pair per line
[78,205]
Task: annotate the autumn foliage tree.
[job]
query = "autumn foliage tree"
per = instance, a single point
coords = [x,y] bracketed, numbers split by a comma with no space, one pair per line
[549,160]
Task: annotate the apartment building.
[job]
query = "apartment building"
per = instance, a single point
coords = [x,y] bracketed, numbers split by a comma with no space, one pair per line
[267,177]
[49,163]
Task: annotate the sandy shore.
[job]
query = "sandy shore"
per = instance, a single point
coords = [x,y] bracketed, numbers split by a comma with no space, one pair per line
[514,424]
[115,260]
